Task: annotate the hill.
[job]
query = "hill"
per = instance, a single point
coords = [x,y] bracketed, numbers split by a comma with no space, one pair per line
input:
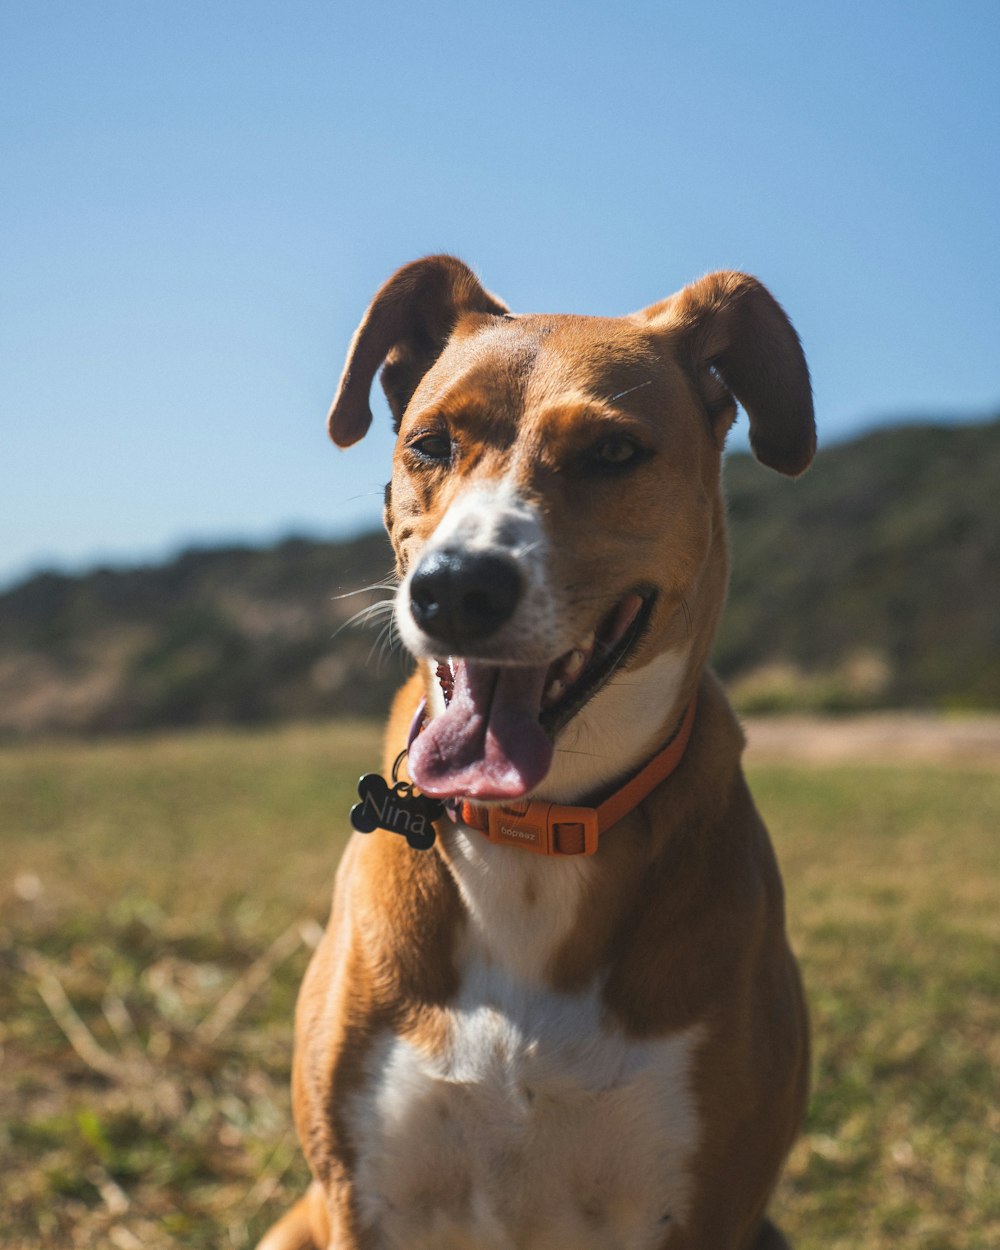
[870,582]
[874,578]
[228,635]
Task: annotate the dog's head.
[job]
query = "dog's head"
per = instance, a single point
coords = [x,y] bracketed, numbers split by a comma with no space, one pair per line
[555,506]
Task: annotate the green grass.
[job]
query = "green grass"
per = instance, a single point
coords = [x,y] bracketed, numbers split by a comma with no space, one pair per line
[894,909]
[157,901]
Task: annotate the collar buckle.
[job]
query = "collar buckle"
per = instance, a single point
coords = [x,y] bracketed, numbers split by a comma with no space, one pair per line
[545,828]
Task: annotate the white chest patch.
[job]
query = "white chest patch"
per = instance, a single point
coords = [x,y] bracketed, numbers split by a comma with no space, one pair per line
[521,906]
[536,1126]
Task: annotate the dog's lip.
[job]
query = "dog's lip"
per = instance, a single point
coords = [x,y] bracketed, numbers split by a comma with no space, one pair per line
[614,641]
[576,675]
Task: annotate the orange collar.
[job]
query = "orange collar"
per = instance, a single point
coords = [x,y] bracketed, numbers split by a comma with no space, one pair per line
[554,829]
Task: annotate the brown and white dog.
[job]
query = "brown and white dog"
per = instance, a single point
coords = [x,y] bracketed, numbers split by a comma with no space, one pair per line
[504,1050]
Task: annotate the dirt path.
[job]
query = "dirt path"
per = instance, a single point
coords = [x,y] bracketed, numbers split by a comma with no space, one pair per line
[878,738]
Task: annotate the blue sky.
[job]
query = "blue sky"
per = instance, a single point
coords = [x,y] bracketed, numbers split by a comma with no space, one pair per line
[198,199]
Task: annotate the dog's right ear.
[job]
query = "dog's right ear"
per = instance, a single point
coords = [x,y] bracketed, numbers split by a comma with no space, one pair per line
[406,326]
[736,341]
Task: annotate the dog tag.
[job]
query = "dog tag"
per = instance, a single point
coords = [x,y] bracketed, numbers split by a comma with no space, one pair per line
[399,809]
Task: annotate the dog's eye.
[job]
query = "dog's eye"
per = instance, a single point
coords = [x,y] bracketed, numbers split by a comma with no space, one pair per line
[615,452]
[434,448]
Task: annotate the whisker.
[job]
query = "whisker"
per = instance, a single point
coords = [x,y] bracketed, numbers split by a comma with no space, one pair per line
[687,616]
[391,582]
[365,616]
[377,492]
[381,608]
[383,644]
[638,387]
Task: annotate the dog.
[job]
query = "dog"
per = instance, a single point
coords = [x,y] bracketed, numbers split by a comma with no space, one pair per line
[574,1021]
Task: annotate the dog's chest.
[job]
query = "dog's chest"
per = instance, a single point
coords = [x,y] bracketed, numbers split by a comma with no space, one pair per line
[522,1119]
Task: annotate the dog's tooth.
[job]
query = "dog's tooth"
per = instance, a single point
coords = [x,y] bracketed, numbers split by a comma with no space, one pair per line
[555,690]
[586,644]
[574,665]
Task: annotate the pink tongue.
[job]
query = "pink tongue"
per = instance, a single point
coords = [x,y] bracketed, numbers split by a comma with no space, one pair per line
[488,743]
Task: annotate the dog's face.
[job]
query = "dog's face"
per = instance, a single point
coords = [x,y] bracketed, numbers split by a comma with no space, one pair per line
[554,504]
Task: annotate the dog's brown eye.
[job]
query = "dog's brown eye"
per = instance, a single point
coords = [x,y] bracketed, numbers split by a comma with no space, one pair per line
[615,452]
[434,448]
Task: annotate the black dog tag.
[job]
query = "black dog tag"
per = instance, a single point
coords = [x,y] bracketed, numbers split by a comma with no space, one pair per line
[399,810]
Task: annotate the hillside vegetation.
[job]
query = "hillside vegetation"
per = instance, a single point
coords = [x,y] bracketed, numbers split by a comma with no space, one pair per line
[875,575]
[230,635]
[870,582]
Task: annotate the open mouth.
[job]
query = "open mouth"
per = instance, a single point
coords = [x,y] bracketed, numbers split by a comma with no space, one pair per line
[495,738]
[576,677]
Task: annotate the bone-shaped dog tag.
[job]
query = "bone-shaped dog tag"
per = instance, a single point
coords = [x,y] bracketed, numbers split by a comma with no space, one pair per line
[398,809]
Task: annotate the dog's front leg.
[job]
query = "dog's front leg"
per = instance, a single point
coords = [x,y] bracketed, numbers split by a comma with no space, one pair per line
[305,1227]
[771,1238]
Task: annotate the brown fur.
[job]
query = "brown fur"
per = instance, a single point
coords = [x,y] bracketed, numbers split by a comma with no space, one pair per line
[686,908]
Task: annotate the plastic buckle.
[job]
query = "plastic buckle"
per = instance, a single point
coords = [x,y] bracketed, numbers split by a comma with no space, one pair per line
[585,816]
[533,827]
[526,827]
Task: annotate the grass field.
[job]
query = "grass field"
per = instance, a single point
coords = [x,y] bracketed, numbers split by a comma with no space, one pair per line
[158,898]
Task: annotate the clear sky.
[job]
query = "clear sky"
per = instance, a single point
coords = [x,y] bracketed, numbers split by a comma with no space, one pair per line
[198,199]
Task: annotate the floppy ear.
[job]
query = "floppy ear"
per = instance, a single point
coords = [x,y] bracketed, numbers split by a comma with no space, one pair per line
[735,339]
[406,325]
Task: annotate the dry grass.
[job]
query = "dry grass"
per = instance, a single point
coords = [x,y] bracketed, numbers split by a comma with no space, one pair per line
[159,898]
[894,909]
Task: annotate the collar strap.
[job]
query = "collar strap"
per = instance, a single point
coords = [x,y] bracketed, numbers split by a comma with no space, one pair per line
[555,829]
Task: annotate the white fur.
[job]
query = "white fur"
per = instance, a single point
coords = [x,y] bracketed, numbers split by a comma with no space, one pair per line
[538,1126]
[521,906]
[494,518]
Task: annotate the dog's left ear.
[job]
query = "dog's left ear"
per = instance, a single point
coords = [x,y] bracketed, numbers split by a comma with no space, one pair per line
[734,338]
[407,326]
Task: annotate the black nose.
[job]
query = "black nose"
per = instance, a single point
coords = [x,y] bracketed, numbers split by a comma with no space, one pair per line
[462,597]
